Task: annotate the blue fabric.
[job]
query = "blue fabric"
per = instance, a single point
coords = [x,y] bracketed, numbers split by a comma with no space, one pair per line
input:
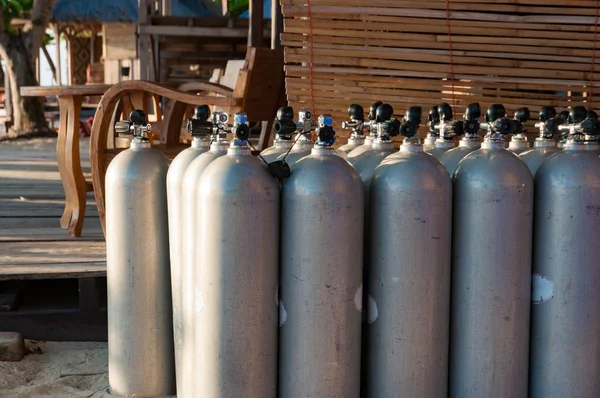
[266,11]
[118,10]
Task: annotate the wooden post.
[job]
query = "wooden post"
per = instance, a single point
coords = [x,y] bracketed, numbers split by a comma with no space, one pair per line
[7,98]
[58,63]
[225,4]
[255,35]
[166,8]
[276,25]
[92,47]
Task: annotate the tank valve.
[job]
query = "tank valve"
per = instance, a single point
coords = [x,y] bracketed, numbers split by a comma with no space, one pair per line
[139,127]
[371,123]
[471,120]
[433,120]
[496,123]
[446,127]
[240,126]
[199,125]
[285,125]
[325,131]
[357,120]
[582,125]
[520,117]
[410,122]
[385,124]
[548,122]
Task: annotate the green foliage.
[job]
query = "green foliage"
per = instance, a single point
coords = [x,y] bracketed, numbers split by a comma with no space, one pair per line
[15,9]
[236,7]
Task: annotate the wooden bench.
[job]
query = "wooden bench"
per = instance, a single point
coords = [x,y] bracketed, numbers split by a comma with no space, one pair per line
[259,91]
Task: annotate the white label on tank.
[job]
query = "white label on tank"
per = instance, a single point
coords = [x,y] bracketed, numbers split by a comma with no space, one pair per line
[282,313]
[542,289]
[358,298]
[372,311]
[199,300]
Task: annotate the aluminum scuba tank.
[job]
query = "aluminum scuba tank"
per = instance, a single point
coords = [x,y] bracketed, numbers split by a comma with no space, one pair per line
[563,118]
[432,132]
[469,143]
[283,141]
[370,125]
[191,177]
[140,330]
[409,273]
[321,276]
[544,146]
[303,142]
[565,322]
[447,130]
[491,269]
[518,142]
[200,128]
[357,125]
[237,241]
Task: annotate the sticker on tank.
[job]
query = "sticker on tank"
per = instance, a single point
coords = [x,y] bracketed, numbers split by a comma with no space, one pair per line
[358,298]
[372,310]
[542,289]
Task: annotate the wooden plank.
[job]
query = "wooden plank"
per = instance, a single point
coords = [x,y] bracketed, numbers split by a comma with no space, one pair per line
[72,251]
[40,208]
[15,229]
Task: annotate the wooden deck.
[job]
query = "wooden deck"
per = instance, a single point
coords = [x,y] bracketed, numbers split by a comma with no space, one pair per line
[38,258]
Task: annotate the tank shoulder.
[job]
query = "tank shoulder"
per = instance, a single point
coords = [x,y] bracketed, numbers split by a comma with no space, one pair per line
[492,167]
[236,174]
[324,173]
[570,168]
[411,168]
[139,162]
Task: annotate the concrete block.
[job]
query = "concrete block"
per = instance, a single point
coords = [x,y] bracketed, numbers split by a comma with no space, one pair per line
[12,346]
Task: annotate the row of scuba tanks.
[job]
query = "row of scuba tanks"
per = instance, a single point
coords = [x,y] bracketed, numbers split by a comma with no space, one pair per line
[310,271]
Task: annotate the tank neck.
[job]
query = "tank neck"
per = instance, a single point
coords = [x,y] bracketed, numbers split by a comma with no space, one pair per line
[470,142]
[369,139]
[138,143]
[356,138]
[573,145]
[411,145]
[544,143]
[239,148]
[304,138]
[322,151]
[200,142]
[279,143]
[382,144]
[494,145]
[442,143]
[219,146]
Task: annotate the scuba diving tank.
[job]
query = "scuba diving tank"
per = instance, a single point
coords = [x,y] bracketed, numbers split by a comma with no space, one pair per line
[140,330]
[321,276]
[283,140]
[491,269]
[200,128]
[357,125]
[370,125]
[237,246]
[469,143]
[544,145]
[565,321]
[433,120]
[447,130]
[563,118]
[191,177]
[303,142]
[518,142]
[409,273]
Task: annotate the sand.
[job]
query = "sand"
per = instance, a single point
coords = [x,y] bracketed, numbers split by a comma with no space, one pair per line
[53,370]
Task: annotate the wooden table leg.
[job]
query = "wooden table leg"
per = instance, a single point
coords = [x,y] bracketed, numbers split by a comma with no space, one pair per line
[63,127]
[73,164]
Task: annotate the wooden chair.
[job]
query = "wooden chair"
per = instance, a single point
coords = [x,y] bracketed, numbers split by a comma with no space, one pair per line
[259,91]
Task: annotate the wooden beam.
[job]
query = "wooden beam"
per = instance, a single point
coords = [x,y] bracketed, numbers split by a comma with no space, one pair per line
[191,31]
[256,34]
[276,25]
[58,63]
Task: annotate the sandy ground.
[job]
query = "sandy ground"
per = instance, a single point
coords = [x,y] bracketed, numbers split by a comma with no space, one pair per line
[53,369]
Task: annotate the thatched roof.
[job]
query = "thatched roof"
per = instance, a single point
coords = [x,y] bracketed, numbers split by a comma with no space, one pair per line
[98,11]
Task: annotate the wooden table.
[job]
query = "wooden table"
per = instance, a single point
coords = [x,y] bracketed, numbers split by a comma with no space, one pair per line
[70,99]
